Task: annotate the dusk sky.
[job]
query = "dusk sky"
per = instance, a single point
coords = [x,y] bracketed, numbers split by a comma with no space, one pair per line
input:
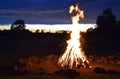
[53,11]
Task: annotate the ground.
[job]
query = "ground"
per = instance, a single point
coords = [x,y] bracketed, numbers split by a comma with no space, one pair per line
[48,66]
[37,59]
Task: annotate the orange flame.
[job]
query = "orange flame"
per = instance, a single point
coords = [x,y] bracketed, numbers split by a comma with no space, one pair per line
[74,54]
[78,16]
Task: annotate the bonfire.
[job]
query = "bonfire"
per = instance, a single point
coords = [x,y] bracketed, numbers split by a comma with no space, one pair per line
[74,56]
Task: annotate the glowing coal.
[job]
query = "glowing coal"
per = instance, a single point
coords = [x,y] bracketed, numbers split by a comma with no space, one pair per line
[74,54]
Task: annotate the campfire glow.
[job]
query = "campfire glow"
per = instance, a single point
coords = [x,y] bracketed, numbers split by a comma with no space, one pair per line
[74,55]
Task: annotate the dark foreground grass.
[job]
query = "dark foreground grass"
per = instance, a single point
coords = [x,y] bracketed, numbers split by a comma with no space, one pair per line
[84,73]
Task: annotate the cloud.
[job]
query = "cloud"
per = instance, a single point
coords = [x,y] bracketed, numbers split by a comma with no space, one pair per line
[29,12]
[32,13]
[37,16]
[50,11]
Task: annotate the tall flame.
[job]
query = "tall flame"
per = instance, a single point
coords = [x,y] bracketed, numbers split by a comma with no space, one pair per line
[74,54]
[78,16]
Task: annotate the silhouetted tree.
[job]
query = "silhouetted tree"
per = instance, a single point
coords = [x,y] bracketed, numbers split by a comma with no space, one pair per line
[37,31]
[42,30]
[107,19]
[18,25]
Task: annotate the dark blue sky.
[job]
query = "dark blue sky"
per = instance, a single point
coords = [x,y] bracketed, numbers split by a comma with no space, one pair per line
[53,11]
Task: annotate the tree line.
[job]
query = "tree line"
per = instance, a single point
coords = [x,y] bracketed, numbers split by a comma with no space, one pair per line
[105,37]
